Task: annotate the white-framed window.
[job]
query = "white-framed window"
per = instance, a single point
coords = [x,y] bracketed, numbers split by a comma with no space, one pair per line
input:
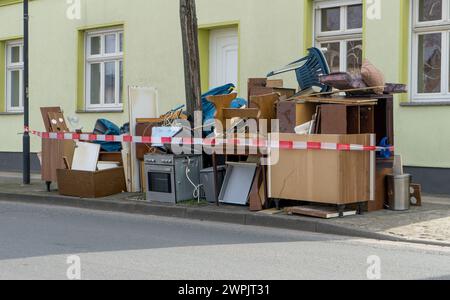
[338,27]
[104,69]
[430,79]
[14,76]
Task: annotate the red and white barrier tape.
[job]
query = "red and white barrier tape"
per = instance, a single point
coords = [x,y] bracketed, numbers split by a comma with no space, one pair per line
[274,144]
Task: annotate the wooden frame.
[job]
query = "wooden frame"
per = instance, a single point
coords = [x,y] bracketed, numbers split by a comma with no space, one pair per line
[14,67]
[341,36]
[441,26]
[102,59]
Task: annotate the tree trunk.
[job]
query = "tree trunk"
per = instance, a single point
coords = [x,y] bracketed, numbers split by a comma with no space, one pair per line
[191,55]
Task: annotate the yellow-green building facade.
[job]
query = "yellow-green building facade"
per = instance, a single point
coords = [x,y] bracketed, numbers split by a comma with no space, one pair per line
[85,53]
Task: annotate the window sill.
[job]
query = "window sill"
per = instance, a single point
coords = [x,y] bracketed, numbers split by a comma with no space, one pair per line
[424,104]
[11,113]
[105,111]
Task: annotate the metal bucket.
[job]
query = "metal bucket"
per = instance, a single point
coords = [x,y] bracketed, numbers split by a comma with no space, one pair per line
[398,187]
[207,181]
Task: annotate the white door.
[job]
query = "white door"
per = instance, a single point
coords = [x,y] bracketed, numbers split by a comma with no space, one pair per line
[224,58]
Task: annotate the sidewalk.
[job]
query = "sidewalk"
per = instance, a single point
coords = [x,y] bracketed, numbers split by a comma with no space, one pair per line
[429,224]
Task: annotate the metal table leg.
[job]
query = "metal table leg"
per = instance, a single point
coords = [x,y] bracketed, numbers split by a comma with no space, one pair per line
[216,179]
[49,185]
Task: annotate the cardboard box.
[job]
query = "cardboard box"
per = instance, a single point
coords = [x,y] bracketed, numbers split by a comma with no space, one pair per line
[323,176]
[91,184]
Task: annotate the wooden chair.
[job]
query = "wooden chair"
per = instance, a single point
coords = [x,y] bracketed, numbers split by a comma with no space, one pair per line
[266,105]
[221,102]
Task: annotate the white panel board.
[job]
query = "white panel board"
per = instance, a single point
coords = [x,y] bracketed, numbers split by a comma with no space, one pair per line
[85,157]
[142,103]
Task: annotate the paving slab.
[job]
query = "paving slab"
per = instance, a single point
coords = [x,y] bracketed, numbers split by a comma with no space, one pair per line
[429,224]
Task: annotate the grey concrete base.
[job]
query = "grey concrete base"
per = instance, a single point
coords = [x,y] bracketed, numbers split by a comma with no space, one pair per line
[434,181]
[212,213]
[12,162]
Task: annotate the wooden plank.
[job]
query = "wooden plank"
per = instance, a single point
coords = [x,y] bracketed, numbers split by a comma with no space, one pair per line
[416,195]
[145,129]
[275,83]
[142,103]
[380,190]
[357,179]
[343,91]
[367,117]
[384,119]
[341,100]
[285,92]
[317,120]
[333,119]
[149,120]
[143,177]
[254,83]
[255,201]
[259,91]
[287,114]
[241,113]
[126,159]
[322,212]
[270,212]
[353,120]
[57,122]
[44,113]
[66,163]
[304,112]
[111,157]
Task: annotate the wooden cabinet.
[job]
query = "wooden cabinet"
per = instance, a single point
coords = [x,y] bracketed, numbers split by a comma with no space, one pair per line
[342,115]
[328,177]
[384,118]
[53,153]
[346,119]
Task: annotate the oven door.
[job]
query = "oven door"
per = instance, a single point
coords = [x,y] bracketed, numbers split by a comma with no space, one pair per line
[160,184]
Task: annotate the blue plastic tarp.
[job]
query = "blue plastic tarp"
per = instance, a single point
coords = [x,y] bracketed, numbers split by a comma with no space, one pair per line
[105,127]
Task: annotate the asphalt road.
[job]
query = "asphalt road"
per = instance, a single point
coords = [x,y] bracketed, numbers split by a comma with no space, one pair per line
[36,242]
